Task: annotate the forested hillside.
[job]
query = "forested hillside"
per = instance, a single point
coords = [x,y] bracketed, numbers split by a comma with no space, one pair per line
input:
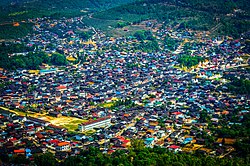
[20,9]
[231,16]
[227,17]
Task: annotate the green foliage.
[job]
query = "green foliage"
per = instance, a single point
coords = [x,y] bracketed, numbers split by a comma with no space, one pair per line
[122,24]
[137,145]
[45,159]
[239,86]
[74,161]
[8,31]
[58,59]
[170,43]
[145,156]
[144,35]
[46,8]
[55,8]
[193,14]
[19,159]
[234,26]
[236,131]
[148,46]
[189,61]
[85,35]
[31,60]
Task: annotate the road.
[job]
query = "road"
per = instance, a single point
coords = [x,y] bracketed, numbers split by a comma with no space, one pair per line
[128,126]
[223,155]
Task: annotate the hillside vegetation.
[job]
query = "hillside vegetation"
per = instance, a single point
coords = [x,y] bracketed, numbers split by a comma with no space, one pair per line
[17,10]
[232,16]
[226,17]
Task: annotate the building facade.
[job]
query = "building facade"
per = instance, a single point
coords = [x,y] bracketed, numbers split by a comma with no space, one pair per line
[101,122]
[63,146]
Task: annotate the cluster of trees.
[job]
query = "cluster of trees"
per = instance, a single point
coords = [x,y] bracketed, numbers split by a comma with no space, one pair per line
[144,35]
[55,8]
[197,15]
[85,35]
[19,11]
[148,46]
[239,86]
[144,10]
[170,43]
[148,42]
[128,103]
[189,61]
[30,61]
[8,31]
[240,131]
[122,24]
[136,156]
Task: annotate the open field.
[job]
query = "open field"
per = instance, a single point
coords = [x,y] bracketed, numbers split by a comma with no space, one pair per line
[70,123]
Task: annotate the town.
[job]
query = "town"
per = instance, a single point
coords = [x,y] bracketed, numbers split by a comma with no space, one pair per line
[111,92]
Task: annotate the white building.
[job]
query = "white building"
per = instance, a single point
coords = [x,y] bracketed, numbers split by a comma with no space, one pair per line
[101,122]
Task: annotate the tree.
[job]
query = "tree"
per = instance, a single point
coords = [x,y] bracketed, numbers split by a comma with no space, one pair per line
[140,35]
[45,159]
[137,145]
[19,159]
[74,161]
[58,59]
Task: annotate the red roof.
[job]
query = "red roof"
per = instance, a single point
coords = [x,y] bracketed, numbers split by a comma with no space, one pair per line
[10,125]
[95,121]
[110,151]
[61,87]
[176,113]
[122,139]
[55,141]
[13,139]
[19,151]
[63,143]
[174,147]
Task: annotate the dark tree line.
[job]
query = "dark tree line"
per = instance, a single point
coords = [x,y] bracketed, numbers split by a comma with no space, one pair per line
[238,86]
[136,156]
[30,60]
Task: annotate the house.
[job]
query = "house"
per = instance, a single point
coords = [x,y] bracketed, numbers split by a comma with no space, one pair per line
[174,148]
[229,141]
[19,151]
[63,146]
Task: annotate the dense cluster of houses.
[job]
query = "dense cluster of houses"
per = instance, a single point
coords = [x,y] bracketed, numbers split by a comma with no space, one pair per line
[165,102]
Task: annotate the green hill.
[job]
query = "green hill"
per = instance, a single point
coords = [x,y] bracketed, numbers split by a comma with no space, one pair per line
[21,9]
[227,17]
[233,16]
[18,10]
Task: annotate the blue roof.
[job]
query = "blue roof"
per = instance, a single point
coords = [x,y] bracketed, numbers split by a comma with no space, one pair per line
[188,139]
[27,150]
[149,139]
[48,70]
